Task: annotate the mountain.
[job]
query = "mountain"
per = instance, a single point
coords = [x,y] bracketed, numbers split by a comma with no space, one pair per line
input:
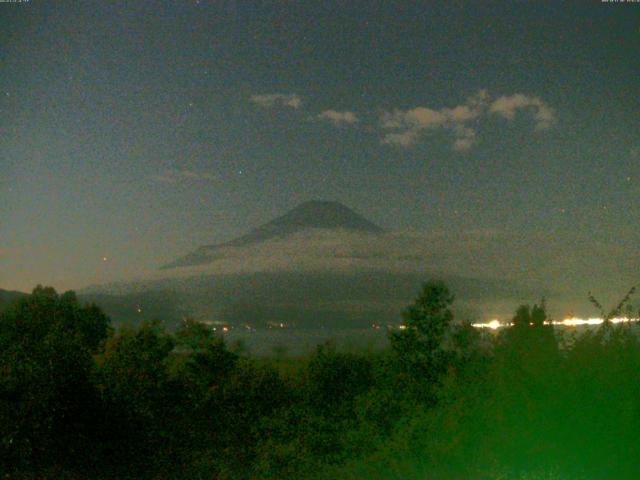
[315,214]
[320,265]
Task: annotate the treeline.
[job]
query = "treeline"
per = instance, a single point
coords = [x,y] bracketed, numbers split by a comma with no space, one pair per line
[444,401]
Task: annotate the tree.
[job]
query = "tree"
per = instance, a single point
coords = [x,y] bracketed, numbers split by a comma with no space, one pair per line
[47,394]
[206,361]
[419,346]
[193,334]
[527,354]
[531,332]
[334,379]
[141,397]
[134,368]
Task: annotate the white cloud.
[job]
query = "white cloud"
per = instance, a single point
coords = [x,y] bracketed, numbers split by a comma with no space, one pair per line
[403,139]
[407,126]
[507,107]
[273,99]
[421,117]
[410,123]
[460,114]
[338,118]
[484,253]
[173,175]
[418,118]
[545,117]
[404,128]
[479,100]
[465,138]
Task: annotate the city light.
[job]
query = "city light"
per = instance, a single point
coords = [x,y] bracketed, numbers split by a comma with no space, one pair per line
[567,322]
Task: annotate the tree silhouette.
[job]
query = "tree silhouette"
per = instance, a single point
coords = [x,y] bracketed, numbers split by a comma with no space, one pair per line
[419,346]
[47,396]
[615,311]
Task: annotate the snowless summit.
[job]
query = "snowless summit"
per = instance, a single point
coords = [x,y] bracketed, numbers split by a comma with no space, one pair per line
[314,214]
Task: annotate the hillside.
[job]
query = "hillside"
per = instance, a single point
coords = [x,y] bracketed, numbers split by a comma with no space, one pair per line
[7,297]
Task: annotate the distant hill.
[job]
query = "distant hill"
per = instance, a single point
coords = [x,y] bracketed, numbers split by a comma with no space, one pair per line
[300,299]
[136,306]
[7,297]
[315,214]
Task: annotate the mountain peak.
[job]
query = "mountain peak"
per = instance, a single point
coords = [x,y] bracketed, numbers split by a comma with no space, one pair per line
[320,204]
[312,214]
[323,214]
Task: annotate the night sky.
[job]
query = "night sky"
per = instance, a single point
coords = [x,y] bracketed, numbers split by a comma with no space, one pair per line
[133,132]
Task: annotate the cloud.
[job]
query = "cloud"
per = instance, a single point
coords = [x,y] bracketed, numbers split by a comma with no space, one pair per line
[343,250]
[405,127]
[275,99]
[174,175]
[409,124]
[481,253]
[465,138]
[507,107]
[338,118]
[416,118]
[460,114]
[403,139]
[479,100]
[500,254]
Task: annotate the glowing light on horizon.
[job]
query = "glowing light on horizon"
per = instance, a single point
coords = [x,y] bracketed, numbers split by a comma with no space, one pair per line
[567,322]
[493,325]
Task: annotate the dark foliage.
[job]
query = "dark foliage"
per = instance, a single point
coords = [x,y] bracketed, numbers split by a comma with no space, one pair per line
[78,400]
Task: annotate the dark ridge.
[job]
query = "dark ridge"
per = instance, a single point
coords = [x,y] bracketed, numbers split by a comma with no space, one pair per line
[7,298]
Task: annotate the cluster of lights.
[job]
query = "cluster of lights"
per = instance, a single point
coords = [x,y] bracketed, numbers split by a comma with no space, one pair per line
[567,322]
[493,325]
[277,325]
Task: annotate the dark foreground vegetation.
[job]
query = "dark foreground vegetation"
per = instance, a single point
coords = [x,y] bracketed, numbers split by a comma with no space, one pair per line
[79,400]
